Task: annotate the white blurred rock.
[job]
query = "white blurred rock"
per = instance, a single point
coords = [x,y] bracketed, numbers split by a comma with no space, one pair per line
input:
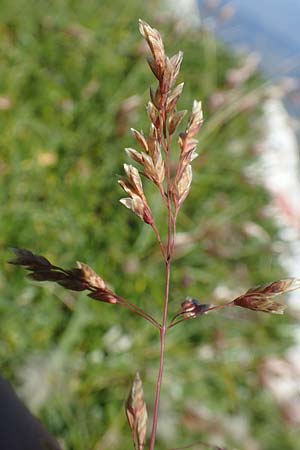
[279,168]
[184,10]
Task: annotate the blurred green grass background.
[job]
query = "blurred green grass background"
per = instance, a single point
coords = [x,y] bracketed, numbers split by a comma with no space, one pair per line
[68,69]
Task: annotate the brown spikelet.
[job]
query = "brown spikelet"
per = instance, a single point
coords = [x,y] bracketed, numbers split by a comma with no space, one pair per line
[132,185]
[135,155]
[184,185]
[191,308]
[29,260]
[153,114]
[260,298]
[140,138]
[260,303]
[153,66]
[155,95]
[277,287]
[134,179]
[140,208]
[48,275]
[187,141]
[153,165]
[136,412]
[104,295]
[176,61]
[174,97]
[188,147]
[90,276]
[175,120]
[166,81]
[156,46]
[196,119]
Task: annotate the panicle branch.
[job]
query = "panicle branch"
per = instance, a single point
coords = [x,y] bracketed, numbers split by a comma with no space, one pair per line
[259,298]
[80,278]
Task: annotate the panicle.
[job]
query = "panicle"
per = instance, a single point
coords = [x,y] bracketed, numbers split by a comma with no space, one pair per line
[165,120]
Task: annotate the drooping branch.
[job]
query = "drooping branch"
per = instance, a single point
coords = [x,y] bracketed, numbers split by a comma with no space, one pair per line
[259,298]
[80,278]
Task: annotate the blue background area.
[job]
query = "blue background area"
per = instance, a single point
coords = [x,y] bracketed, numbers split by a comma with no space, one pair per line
[271,27]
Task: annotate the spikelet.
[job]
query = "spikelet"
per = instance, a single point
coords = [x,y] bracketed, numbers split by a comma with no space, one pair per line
[136,412]
[260,298]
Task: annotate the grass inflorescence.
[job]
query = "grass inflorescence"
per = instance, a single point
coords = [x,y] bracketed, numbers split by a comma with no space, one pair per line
[66,123]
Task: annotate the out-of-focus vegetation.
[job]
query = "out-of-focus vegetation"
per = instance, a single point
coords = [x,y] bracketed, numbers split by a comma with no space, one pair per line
[68,69]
